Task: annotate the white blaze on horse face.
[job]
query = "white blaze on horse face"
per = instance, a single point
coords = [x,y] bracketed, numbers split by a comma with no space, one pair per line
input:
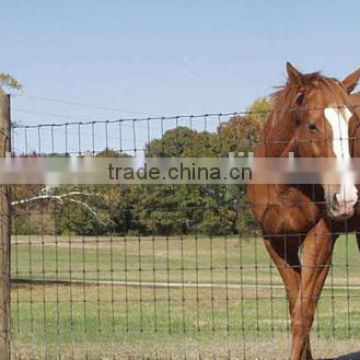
[339,122]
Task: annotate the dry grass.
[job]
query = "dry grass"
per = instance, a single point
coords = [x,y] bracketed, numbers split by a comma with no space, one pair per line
[118,322]
[276,349]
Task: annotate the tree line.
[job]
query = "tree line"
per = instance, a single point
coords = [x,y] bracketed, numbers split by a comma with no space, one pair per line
[150,209]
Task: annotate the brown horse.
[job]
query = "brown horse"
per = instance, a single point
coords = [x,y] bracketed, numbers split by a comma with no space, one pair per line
[355,99]
[310,114]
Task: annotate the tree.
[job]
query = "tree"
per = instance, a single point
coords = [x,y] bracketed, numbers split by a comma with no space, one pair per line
[170,209]
[99,209]
[184,142]
[241,132]
[8,81]
[154,209]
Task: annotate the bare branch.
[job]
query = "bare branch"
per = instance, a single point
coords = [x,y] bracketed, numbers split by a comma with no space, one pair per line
[91,210]
[60,198]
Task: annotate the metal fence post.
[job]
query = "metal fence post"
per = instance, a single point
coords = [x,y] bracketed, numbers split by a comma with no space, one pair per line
[5,233]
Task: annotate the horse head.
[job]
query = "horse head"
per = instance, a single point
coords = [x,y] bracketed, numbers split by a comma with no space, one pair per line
[321,115]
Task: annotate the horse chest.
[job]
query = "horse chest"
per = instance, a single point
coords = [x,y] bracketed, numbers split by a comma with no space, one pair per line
[293,212]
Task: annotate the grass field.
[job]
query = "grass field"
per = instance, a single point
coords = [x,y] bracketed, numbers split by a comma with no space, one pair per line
[105,320]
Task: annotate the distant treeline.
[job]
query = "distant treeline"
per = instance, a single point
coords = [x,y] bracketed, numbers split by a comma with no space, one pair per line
[151,209]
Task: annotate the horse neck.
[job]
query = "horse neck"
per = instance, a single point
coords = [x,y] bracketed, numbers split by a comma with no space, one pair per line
[355,99]
[354,134]
[276,135]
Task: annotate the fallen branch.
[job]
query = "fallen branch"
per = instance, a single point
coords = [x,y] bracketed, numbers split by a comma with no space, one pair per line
[60,199]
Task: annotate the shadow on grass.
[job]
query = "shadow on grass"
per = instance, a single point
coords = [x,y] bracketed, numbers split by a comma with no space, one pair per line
[351,356]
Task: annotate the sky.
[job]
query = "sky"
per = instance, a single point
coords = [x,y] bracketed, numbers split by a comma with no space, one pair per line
[142,58]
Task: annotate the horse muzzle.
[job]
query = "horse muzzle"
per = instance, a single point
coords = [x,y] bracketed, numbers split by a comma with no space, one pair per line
[342,211]
[342,204]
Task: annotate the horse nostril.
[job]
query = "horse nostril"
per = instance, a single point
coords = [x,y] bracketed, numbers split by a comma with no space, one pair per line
[335,200]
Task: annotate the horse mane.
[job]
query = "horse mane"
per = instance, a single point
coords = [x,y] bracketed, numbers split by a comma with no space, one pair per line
[333,93]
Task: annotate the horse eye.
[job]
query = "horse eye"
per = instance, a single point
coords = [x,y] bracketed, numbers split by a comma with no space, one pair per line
[313,127]
[300,98]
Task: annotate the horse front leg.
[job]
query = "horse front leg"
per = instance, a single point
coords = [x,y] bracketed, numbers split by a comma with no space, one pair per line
[284,251]
[358,240]
[317,251]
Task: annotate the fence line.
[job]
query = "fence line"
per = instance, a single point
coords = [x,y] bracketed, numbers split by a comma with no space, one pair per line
[148,284]
[180,274]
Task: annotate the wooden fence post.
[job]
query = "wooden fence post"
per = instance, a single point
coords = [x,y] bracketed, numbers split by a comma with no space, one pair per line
[5,232]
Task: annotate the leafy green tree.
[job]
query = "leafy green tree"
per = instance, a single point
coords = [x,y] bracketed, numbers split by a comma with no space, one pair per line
[184,142]
[98,209]
[156,209]
[241,132]
[185,208]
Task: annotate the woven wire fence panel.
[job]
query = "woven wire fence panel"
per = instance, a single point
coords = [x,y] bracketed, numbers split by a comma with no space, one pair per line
[157,272]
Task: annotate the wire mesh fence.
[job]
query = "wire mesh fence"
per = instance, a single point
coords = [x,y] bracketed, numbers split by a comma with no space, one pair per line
[157,272]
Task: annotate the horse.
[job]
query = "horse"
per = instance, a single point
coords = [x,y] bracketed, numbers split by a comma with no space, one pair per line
[308,112]
[355,99]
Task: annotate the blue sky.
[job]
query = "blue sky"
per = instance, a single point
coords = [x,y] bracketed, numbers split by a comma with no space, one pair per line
[167,57]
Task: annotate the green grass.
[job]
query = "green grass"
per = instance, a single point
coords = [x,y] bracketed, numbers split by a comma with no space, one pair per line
[144,322]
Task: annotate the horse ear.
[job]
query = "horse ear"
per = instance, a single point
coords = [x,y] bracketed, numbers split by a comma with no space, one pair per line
[351,81]
[294,74]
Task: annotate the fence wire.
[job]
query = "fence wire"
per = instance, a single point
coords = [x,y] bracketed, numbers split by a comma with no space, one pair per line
[157,272]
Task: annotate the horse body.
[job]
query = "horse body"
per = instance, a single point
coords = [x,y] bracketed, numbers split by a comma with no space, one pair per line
[307,217]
